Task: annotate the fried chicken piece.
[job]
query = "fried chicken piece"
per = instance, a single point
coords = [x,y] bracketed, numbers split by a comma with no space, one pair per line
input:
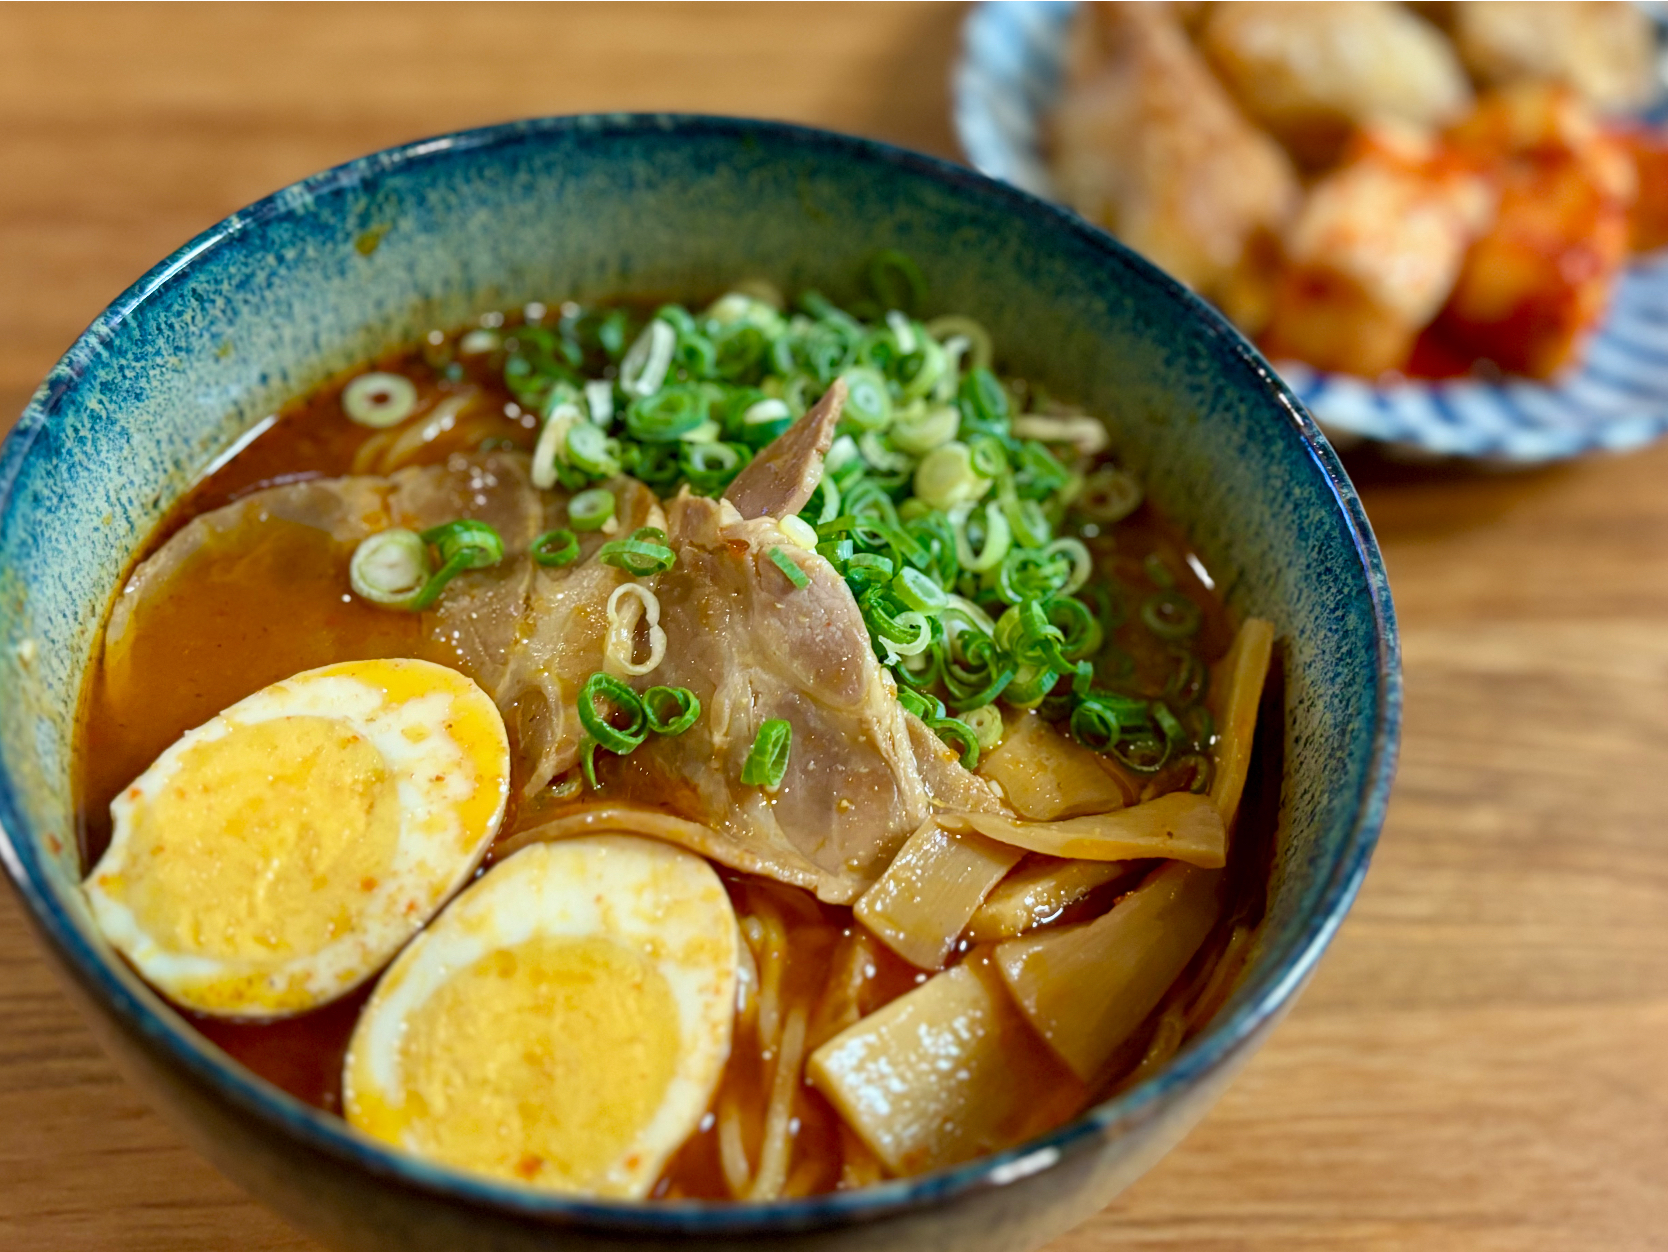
[1603,51]
[1148,144]
[1375,252]
[1536,284]
[1648,218]
[1312,73]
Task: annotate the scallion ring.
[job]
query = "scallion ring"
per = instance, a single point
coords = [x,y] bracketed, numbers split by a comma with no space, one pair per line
[620,645]
[919,434]
[960,735]
[1171,615]
[665,416]
[552,443]
[896,281]
[599,399]
[379,400]
[1082,564]
[644,368]
[799,532]
[986,724]
[790,568]
[644,553]
[389,568]
[881,455]
[591,510]
[919,591]
[1108,495]
[555,547]
[997,538]
[461,545]
[617,739]
[978,338]
[946,477]
[590,450]
[868,402]
[670,710]
[767,760]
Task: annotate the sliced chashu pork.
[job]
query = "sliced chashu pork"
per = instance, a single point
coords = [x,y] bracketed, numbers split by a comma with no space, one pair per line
[753,647]
[528,634]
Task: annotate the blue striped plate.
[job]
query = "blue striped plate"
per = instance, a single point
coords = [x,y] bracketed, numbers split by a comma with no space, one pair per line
[1004,84]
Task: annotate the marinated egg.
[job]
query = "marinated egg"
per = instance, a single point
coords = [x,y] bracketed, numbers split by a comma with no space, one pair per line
[564,1023]
[281,853]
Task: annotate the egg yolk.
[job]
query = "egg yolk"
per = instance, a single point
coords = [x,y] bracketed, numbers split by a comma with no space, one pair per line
[265,842]
[541,1062]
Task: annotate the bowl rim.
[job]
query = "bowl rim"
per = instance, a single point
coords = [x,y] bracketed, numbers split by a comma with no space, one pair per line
[145,1013]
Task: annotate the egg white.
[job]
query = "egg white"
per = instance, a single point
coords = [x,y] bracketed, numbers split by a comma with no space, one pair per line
[660,904]
[443,742]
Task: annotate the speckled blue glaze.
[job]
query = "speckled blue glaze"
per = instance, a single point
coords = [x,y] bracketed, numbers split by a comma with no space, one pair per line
[337,267]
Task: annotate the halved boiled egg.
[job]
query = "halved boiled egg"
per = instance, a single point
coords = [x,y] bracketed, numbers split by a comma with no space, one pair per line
[564,1023]
[278,855]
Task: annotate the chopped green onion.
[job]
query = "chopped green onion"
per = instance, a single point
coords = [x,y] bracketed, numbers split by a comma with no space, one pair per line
[1158,573]
[789,567]
[1109,495]
[799,532]
[986,724]
[884,458]
[919,433]
[461,545]
[998,536]
[477,342]
[670,710]
[599,399]
[590,510]
[711,467]
[379,400]
[591,450]
[643,554]
[918,591]
[896,281]
[868,402]
[767,760]
[946,477]
[984,405]
[1030,524]
[389,568]
[666,415]
[989,458]
[978,338]
[960,735]
[1171,615]
[1094,724]
[1082,564]
[556,547]
[1027,574]
[618,740]
[644,368]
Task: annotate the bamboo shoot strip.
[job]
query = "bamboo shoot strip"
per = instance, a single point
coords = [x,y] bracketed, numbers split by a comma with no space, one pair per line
[943,1074]
[1087,988]
[1246,669]
[934,885]
[1046,775]
[1036,893]
[1180,826]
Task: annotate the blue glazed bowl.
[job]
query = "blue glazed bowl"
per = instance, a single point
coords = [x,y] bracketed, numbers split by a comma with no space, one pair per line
[333,269]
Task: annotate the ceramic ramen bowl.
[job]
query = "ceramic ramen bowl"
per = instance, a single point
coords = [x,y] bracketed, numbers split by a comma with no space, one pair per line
[330,271]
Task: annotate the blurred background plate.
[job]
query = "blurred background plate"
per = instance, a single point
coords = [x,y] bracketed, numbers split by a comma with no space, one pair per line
[1006,82]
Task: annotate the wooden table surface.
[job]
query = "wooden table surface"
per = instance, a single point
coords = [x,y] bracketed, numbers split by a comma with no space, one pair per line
[1482,1061]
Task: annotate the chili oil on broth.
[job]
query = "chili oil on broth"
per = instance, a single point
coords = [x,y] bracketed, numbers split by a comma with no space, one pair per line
[243,616]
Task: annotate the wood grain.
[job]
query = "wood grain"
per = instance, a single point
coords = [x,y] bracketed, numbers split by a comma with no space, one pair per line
[1482,1061]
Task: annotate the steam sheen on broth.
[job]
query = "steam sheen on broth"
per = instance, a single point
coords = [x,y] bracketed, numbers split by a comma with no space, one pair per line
[905,722]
